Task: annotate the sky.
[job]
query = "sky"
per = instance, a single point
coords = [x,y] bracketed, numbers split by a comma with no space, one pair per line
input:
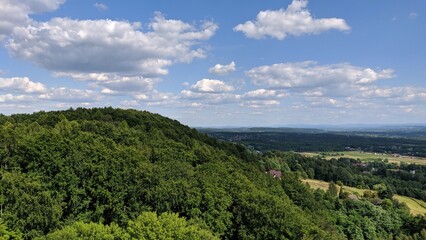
[219,63]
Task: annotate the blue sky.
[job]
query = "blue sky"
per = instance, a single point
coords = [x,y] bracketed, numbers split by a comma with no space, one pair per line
[219,63]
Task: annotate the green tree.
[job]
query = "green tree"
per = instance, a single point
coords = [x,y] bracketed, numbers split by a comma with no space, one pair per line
[7,234]
[332,189]
[89,231]
[150,226]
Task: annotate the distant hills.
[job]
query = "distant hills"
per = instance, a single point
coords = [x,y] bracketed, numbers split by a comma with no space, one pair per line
[392,131]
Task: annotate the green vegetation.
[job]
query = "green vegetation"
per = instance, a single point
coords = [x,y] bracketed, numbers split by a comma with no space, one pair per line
[403,179]
[368,156]
[417,207]
[125,174]
[320,141]
[147,226]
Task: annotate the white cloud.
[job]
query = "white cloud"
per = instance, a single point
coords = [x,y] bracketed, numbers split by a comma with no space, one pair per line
[161,99]
[209,98]
[130,84]
[15,13]
[402,95]
[23,90]
[100,6]
[311,75]
[69,95]
[296,20]
[115,84]
[108,91]
[10,98]
[21,84]
[337,86]
[152,98]
[262,93]
[214,92]
[223,69]
[211,86]
[373,98]
[260,103]
[324,102]
[261,98]
[196,105]
[75,47]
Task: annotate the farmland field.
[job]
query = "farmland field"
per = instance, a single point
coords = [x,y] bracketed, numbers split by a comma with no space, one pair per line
[368,156]
[417,207]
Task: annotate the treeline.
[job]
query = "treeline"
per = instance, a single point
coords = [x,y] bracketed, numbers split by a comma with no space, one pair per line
[118,174]
[322,142]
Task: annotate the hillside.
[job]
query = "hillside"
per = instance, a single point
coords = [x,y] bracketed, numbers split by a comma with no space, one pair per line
[126,174]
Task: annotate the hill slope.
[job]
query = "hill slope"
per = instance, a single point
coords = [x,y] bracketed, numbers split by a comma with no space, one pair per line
[109,165]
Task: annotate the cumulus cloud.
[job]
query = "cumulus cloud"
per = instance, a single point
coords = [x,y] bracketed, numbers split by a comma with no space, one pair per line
[22,90]
[10,98]
[373,97]
[49,96]
[21,84]
[311,75]
[209,91]
[114,83]
[220,69]
[75,47]
[296,20]
[261,98]
[262,94]
[16,13]
[100,6]
[215,92]
[401,95]
[342,86]
[211,86]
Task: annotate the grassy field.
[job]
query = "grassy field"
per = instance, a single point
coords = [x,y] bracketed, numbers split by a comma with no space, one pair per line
[367,156]
[417,207]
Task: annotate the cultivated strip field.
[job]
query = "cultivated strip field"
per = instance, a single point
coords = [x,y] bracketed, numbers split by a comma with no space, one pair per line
[417,207]
[368,156]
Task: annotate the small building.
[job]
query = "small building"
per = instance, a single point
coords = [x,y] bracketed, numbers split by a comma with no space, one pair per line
[275,173]
[413,172]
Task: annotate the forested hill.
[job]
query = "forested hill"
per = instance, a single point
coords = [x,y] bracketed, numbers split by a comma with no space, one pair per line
[124,174]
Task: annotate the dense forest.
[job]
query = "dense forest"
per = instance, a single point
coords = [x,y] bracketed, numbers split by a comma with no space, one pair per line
[311,140]
[125,174]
